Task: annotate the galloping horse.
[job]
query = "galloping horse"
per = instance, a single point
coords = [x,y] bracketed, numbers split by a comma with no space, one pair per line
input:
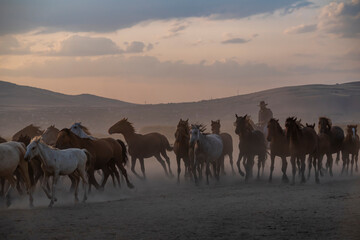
[105,154]
[336,135]
[351,146]
[279,146]
[227,142]
[83,132]
[11,158]
[50,135]
[143,146]
[181,146]
[31,131]
[55,162]
[209,145]
[252,143]
[302,141]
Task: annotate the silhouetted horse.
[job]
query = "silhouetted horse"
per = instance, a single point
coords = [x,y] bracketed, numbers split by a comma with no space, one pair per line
[302,141]
[227,142]
[252,143]
[31,131]
[279,146]
[181,146]
[351,146]
[336,137]
[143,146]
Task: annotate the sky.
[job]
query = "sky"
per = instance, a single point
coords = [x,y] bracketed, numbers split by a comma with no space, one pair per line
[162,51]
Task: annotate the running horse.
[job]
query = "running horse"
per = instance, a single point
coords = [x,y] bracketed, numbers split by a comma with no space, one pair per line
[228,145]
[351,146]
[252,143]
[279,146]
[143,146]
[181,146]
[302,141]
[208,145]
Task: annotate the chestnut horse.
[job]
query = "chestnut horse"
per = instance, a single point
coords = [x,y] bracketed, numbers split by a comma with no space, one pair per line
[351,146]
[143,146]
[279,146]
[252,143]
[227,145]
[181,146]
[105,152]
[302,141]
[31,131]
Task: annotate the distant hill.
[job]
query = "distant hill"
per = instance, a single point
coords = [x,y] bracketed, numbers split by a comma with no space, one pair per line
[20,106]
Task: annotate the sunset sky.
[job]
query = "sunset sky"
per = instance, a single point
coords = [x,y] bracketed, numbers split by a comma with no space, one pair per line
[160,51]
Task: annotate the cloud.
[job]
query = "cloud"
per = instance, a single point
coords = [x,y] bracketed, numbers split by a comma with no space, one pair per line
[301,29]
[9,45]
[87,46]
[341,19]
[176,29]
[135,47]
[145,69]
[108,15]
[236,41]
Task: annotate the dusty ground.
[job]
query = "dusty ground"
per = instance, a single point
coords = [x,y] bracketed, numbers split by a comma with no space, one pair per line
[161,209]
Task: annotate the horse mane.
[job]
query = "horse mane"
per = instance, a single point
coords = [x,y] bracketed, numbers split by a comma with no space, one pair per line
[277,124]
[201,127]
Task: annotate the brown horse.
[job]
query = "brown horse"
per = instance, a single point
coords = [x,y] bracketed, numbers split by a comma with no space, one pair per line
[351,146]
[336,137]
[31,131]
[227,145]
[181,146]
[302,141]
[105,152]
[143,146]
[252,143]
[279,146]
[50,135]
[2,140]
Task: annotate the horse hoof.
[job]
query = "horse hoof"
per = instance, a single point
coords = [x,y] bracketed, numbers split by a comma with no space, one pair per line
[130,186]
[242,174]
[8,203]
[317,181]
[51,204]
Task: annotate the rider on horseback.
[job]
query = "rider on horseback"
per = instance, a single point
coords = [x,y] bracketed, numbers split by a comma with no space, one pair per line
[265,114]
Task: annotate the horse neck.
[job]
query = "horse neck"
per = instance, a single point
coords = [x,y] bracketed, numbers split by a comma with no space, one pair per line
[46,154]
[216,131]
[129,136]
[296,138]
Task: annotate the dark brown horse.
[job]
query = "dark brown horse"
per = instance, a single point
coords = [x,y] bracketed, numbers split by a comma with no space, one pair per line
[336,136]
[351,146]
[227,145]
[106,153]
[181,146]
[143,146]
[302,141]
[252,143]
[2,140]
[279,146]
[31,131]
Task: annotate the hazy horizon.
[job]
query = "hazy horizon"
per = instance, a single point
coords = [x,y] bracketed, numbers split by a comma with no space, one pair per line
[178,51]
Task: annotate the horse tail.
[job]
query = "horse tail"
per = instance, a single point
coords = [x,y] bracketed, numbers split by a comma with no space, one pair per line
[167,144]
[125,157]
[89,162]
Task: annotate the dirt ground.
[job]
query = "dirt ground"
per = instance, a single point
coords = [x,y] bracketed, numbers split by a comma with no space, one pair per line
[159,208]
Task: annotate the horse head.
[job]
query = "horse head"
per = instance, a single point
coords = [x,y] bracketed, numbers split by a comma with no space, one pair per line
[215,126]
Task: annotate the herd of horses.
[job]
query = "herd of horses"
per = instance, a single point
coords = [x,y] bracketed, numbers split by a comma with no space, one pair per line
[33,156]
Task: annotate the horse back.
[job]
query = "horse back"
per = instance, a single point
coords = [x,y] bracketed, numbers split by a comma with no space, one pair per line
[227,143]
[148,145]
[310,140]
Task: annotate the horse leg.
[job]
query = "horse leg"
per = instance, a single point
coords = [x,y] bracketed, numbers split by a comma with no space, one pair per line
[259,166]
[356,162]
[207,172]
[92,179]
[24,171]
[330,162]
[344,159]
[283,169]
[73,183]
[167,159]
[124,173]
[222,165]
[12,185]
[115,172]
[303,180]
[54,183]
[352,163]
[231,163]
[238,164]
[142,165]
[76,188]
[179,168]
[2,182]
[337,157]
[133,163]
[271,167]
[310,163]
[106,173]
[162,162]
[293,164]
[317,167]
[82,174]
[45,184]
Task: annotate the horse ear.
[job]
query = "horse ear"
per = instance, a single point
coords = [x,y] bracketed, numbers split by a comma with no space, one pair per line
[187,120]
[212,121]
[236,115]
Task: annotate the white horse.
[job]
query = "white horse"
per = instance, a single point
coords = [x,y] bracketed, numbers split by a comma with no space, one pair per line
[80,130]
[12,157]
[208,145]
[57,162]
